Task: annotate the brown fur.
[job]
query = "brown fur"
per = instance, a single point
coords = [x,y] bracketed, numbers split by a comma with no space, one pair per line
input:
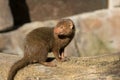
[43,40]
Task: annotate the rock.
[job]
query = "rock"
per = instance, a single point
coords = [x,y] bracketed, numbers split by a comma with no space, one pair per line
[6,19]
[103,67]
[97,33]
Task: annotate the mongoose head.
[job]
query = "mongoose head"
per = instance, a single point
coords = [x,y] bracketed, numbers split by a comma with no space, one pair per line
[64,27]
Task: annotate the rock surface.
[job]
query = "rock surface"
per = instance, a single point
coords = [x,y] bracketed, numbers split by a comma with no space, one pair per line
[6,19]
[105,67]
[97,33]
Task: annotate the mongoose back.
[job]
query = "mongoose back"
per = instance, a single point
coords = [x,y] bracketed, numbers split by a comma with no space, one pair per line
[43,40]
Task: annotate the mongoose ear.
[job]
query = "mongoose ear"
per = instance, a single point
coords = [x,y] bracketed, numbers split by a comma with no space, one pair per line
[71,25]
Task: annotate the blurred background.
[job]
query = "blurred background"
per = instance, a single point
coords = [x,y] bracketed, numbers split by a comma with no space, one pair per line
[40,10]
[53,9]
[23,11]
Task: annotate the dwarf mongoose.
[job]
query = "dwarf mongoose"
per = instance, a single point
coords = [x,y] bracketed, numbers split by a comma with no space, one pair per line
[43,40]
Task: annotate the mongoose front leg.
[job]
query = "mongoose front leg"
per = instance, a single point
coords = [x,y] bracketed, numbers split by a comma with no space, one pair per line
[62,55]
[56,54]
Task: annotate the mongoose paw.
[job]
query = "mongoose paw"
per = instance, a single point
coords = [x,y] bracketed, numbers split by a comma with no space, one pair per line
[65,59]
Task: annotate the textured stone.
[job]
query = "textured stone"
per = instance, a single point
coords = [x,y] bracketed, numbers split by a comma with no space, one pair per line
[103,67]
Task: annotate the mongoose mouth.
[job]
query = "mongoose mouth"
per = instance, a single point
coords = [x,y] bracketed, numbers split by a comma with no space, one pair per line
[63,36]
